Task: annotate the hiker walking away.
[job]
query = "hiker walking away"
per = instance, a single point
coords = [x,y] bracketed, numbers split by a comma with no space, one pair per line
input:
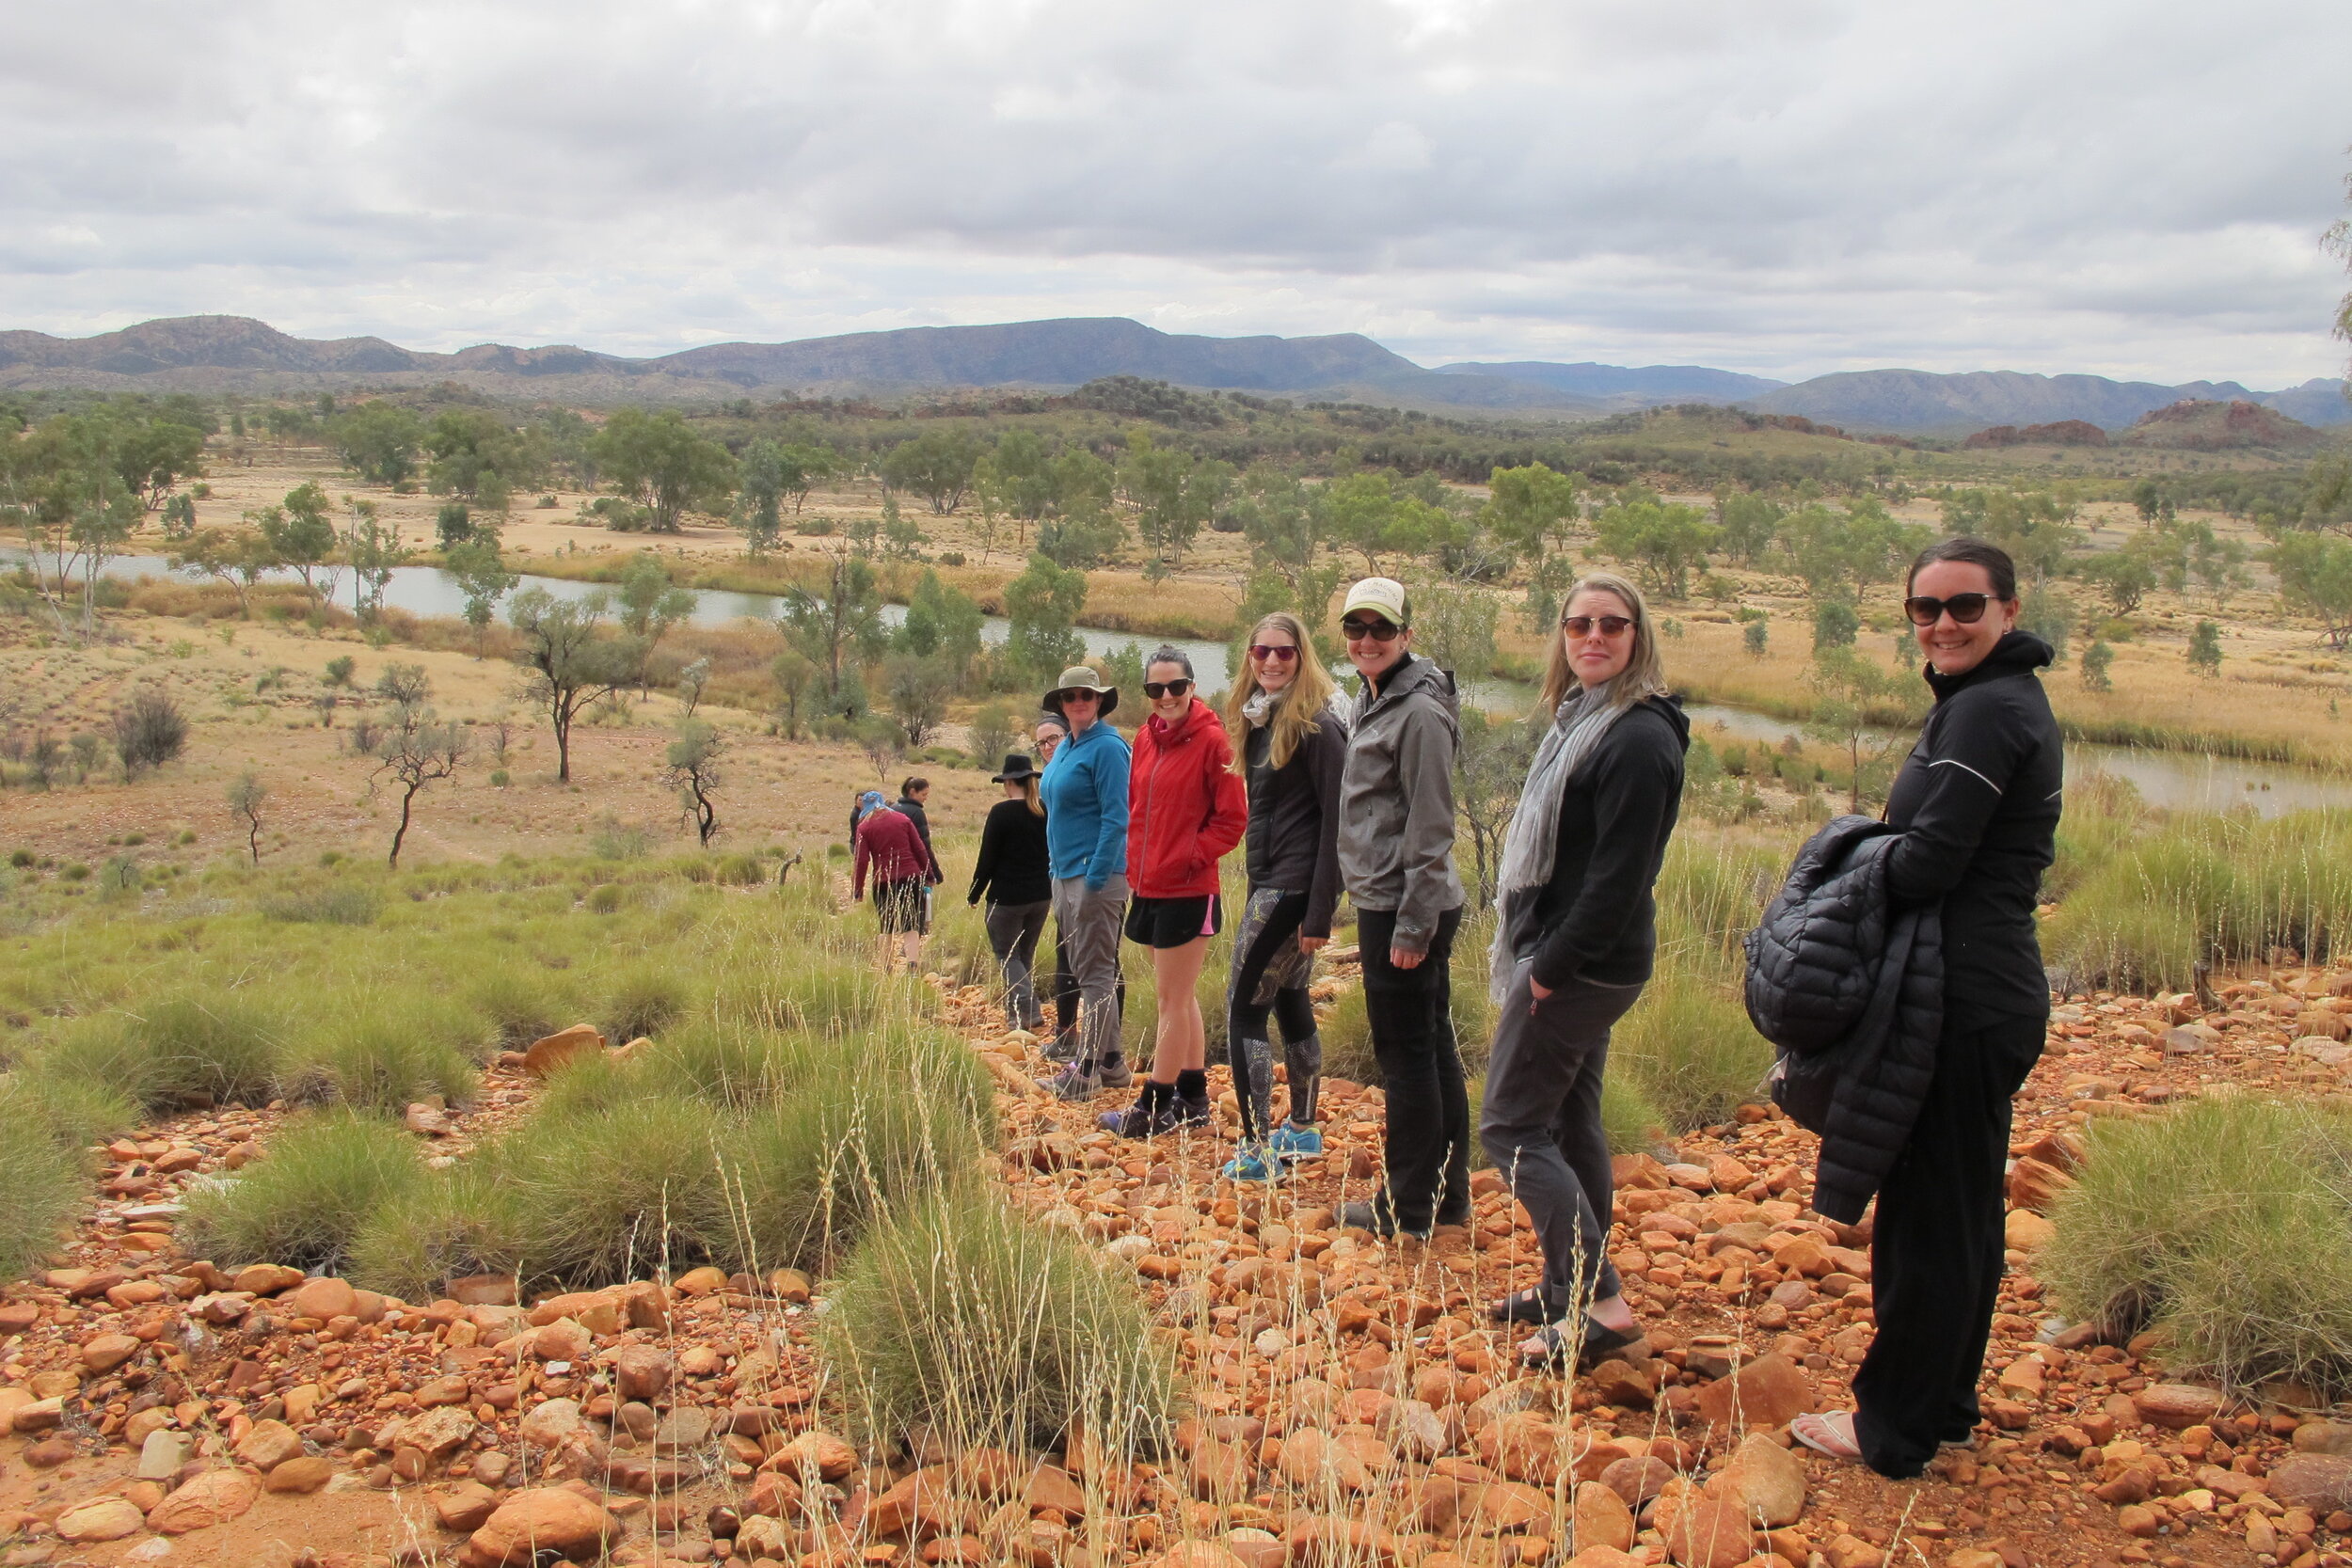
[1293,748]
[1015,875]
[1575,935]
[1977,805]
[1396,861]
[1085,790]
[1186,811]
[910,804]
[889,848]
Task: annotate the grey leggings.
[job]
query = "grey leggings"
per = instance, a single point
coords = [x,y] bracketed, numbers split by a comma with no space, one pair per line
[1088,922]
[1268,984]
[1540,1124]
[1012,933]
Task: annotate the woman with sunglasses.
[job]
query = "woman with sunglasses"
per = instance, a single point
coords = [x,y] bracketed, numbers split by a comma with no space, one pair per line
[1977,804]
[1574,940]
[1396,861]
[1085,790]
[1185,809]
[1293,748]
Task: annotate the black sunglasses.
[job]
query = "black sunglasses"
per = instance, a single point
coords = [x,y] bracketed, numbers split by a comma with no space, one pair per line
[1610,625]
[1379,631]
[1077,694]
[1177,687]
[1966,608]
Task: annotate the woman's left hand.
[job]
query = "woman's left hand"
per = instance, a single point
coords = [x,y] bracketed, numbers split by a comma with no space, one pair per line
[1309,944]
[1537,989]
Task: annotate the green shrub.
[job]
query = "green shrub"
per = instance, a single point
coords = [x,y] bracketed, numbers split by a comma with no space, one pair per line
[964,1317]
[1347,1039]
[2223,1225]
[217,1045]
[71,1111]
[645,1000]
[520,1001]
[845,1147]
[382,1050]
[338,904]
[1631,1124]
[796,989]
[607,1195]
[318,1182]
[458,1222]
[1688,1047]
[44,1176]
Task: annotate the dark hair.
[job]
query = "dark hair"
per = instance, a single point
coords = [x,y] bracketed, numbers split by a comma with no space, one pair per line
[1050,717]
[1165,654]
[1970,551]
[906,790]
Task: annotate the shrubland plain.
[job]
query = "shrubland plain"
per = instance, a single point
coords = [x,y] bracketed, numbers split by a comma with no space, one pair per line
[454,1114]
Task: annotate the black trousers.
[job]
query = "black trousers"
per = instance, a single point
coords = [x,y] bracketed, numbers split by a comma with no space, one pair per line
[1936,1251]
[1427,1152]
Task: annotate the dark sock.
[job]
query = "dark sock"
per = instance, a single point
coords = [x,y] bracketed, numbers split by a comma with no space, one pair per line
[1155,1094]
[1192,1083]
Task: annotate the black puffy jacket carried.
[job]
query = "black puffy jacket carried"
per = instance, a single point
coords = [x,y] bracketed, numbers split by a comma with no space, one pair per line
[1848,985]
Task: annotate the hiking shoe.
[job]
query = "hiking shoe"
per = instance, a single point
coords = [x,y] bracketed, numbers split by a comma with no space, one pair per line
[1253,1165]
[1073,1083]
[1140,1120]
[1115,1073]
[1061,1046]
[1292,1143]
[1189,1113]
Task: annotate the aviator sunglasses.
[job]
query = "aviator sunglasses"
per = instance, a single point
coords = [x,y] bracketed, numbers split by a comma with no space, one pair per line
[1966,608]
[1156,690]
[1610,625]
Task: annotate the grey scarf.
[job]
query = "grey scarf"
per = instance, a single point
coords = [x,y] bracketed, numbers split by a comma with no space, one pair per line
[1532,841]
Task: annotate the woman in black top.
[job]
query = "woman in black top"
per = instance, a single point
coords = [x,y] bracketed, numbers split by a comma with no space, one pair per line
[1012,871]
[1292,750]
[1978,802]
[1574,939]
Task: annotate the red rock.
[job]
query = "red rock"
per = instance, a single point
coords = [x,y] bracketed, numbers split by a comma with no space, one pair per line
[484,1289]
[301,1475]
[2177,1406]
[213,1497]
[1320,1542]
[1637,1481]
[1600,1518]
[641,1372]
[1705,1533]
[106,1352]
[269,1444]
[552,1052]
[2319,1482]
[100,1519]
[548,1519]
[323,1299]
[266,1279]
[1770,1391]
[464,1506]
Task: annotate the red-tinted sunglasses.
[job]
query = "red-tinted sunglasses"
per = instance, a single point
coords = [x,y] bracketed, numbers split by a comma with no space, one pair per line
[1272,653]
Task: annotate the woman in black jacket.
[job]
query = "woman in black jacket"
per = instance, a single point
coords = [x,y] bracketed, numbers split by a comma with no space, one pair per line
[1012,871]
[1978,802]
[1293,747]
[1574,940]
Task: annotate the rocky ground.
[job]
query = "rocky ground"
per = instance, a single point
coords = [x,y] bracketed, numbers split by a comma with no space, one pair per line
[1351,1402]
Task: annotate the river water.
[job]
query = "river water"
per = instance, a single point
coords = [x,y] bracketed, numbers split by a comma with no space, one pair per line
[2177,780]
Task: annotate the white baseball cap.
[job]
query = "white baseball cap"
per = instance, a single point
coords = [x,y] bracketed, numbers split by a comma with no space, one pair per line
[1385,594]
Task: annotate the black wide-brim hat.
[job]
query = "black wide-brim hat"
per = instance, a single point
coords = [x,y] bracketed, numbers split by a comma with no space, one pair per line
[1017,768]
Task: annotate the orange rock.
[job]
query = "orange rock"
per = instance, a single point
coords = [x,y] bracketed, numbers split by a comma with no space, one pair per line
[1706,1533]
[550,1052]
[211,1499]
[1318,1541]
[322,1299]
[1600,1518]
[301,1475]
[548,1519]
[1770,1391]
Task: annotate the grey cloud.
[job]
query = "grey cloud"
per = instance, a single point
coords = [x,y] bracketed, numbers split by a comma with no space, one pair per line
[2104,184]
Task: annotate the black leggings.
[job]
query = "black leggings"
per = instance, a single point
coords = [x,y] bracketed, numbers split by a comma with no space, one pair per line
[1269,984]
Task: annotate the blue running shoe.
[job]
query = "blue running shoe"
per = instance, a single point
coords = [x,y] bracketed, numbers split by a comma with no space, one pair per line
[1291,1142]
[1253,1165]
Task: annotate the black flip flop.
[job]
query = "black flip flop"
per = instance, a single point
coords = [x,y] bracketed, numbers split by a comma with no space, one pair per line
[1522,1307]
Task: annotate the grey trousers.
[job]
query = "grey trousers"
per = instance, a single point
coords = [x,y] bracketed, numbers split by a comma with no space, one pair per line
[1089,924]
[1012,933]
[1540,1124]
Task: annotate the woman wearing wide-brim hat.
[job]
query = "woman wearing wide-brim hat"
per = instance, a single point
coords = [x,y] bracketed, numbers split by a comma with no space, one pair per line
[1084,794]
[1015,873]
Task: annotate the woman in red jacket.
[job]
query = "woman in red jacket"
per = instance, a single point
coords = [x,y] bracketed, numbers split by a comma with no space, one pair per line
[889,845]
[1185,810]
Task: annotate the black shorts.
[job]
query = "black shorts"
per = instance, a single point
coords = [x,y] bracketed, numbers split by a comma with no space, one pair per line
[1173,922]
[900,906]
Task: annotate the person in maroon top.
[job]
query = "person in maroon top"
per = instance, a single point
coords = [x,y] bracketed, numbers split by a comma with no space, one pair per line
[889,845]
[1186,811]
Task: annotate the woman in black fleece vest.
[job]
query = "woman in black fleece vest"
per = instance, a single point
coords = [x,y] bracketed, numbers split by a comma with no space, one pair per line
[1573,945]
[1978,802]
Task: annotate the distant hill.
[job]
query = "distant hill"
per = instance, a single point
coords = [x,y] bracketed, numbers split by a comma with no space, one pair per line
[2204,425]
[211,354]
[218,353]
[1643,385]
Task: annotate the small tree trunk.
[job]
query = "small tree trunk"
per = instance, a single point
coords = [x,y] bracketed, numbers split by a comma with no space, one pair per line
[402,831]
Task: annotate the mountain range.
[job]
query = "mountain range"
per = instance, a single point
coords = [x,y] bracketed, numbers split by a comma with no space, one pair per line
[235,353]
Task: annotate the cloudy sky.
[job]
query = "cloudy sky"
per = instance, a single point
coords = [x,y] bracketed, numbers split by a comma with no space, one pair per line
[2135,187]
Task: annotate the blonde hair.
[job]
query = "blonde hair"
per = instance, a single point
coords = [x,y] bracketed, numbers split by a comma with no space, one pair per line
[1029,796]
[1645,672]
[1293,717]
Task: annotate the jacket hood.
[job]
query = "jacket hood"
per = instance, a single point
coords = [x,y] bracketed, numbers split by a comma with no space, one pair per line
[1669,707]
[1418,674]
[2018,653]
[1194,713]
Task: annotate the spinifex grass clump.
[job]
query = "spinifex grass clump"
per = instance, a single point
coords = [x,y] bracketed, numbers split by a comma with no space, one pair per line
[176,1051]
[986,1327]
[304,1201]
[44,1175]
[1688,1050]
[384,1047]
[2224,1225]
